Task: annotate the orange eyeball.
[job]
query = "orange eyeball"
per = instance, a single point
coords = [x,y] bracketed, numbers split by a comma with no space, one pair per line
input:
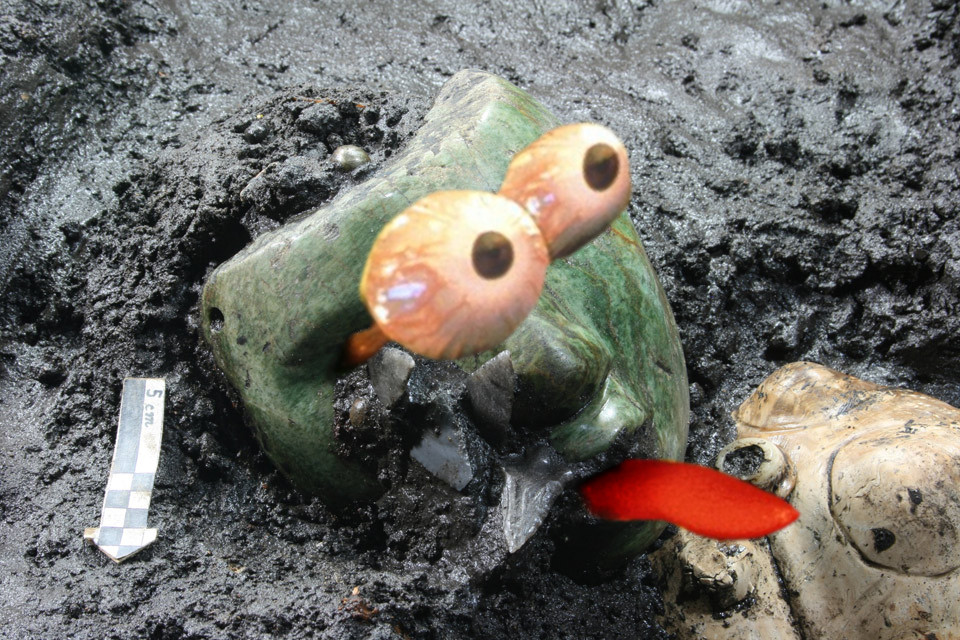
[455,273]
[574,180]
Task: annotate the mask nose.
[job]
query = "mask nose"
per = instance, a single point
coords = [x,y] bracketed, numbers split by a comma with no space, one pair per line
[559,370]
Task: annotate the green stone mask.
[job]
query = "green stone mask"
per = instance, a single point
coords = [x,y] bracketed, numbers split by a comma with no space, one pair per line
[597,362]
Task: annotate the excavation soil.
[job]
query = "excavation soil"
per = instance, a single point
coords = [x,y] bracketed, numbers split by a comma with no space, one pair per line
[795,184]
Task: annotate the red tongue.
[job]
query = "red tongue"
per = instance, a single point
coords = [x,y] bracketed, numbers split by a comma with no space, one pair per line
[701,500]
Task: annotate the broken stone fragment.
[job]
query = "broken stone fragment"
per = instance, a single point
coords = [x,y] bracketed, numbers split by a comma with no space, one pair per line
[490,392]
[875,554]
[531,486]
[722,590]
[389,371]
[446,455]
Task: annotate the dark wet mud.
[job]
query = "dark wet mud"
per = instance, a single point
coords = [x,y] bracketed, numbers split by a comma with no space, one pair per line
[795,185]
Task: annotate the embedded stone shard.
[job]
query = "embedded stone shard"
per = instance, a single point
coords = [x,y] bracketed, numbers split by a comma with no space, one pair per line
[525,503]
[445,455]
[531,487]
[490,391]
[389,372]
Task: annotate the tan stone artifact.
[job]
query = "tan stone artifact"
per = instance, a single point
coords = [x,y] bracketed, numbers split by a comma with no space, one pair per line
[875,474]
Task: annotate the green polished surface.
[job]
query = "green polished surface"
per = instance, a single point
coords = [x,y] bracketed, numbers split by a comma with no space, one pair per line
[598,360]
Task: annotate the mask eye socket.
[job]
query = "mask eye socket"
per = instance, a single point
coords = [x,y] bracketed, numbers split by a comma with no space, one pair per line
[574,180]
[455,273]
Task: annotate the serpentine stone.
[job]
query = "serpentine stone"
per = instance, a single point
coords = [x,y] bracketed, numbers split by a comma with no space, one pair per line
[597,363]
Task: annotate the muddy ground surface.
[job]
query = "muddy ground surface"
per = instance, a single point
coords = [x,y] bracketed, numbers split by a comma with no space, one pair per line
[795,184]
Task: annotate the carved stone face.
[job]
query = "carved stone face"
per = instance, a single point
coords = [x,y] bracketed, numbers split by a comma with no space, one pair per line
[597,363]
[876,551]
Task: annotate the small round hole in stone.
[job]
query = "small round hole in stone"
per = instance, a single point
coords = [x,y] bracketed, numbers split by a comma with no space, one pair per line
[215,318]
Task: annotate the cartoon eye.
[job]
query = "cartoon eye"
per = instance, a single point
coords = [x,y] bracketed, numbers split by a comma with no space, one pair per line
[455,273]
[458,271]
[574,180]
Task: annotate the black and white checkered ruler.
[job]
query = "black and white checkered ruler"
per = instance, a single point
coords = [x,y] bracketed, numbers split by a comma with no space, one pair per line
[123,520]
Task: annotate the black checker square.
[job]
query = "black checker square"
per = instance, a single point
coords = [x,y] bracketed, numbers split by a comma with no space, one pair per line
[117,499]
[135,518]
[109,536]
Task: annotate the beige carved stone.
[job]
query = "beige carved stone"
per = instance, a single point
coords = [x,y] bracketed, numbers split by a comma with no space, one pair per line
[721,589]
[875,554]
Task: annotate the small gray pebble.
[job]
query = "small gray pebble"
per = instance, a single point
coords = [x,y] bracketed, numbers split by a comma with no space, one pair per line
[348,157]
[257,132]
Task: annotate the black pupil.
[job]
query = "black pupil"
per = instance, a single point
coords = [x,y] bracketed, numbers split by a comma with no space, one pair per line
[492,254]
[600,166]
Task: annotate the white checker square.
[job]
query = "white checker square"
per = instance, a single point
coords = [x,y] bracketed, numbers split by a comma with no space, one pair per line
[147,459]
[112,517]
[149,536]
[131,537]
[120,481]
[139,500]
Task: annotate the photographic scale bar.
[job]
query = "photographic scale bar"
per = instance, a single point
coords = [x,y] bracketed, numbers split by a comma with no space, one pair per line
[123,520]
